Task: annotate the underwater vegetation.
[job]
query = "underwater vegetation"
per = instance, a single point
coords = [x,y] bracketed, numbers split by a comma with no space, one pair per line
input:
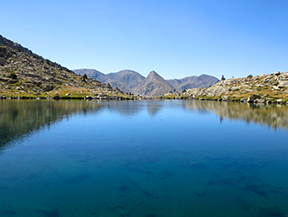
[255,188]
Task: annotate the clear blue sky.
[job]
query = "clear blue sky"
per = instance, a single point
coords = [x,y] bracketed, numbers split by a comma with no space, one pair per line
[175,38]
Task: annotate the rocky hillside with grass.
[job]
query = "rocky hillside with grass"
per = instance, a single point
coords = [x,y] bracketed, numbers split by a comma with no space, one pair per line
[271,88]
[25,74]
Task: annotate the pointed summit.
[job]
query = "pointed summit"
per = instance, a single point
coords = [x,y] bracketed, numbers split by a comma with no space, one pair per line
[152,73]
[153,85]
[155,76]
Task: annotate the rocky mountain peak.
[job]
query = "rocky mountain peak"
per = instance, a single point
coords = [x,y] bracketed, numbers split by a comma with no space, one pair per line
[153,73]
[153,85]
[155,76]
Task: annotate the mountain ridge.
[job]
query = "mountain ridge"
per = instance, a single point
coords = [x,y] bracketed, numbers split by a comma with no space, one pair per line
[177,84]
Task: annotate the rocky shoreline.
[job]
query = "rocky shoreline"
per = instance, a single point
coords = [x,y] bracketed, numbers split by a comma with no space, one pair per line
[67,97]
[88,97]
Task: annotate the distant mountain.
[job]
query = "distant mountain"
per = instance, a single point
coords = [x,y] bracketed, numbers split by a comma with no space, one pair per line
[192,82]
[125,80]
[153,85]
[92,73]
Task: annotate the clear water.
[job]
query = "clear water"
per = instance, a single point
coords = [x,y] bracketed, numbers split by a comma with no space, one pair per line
[144,158]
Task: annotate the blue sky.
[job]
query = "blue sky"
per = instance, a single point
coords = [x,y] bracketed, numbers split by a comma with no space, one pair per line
[175,38]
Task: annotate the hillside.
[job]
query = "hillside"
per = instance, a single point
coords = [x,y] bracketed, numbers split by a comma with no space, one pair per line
[262,89]
[192,82]
[25,74]
[153,85]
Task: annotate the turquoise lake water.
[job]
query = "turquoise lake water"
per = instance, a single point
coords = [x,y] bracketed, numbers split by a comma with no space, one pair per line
[143,158]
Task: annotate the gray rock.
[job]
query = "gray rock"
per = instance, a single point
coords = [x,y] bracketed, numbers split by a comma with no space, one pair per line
[252,98]
[2,61]
[283,84]
[260,101]
[89,97]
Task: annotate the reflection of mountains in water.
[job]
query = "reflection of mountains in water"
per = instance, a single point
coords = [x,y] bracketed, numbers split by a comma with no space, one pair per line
[130,108]
[274,116]
[18,118]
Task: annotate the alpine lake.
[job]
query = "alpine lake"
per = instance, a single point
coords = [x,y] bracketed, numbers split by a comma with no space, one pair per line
[143,159]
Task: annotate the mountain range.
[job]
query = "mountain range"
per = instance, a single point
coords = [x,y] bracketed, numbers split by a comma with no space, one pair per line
[153,85]
[24,73]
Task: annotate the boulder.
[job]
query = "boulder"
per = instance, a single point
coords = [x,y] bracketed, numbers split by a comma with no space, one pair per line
[48,87]
[56,97]
[252,98]
[89,97]
[283,84]
[277,73]
[2,61]
[225,98]
[260,101]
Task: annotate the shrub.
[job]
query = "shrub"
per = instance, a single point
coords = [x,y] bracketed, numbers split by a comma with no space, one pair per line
[13,75]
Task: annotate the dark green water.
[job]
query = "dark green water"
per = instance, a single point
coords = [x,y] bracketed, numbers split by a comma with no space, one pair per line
[144,158]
